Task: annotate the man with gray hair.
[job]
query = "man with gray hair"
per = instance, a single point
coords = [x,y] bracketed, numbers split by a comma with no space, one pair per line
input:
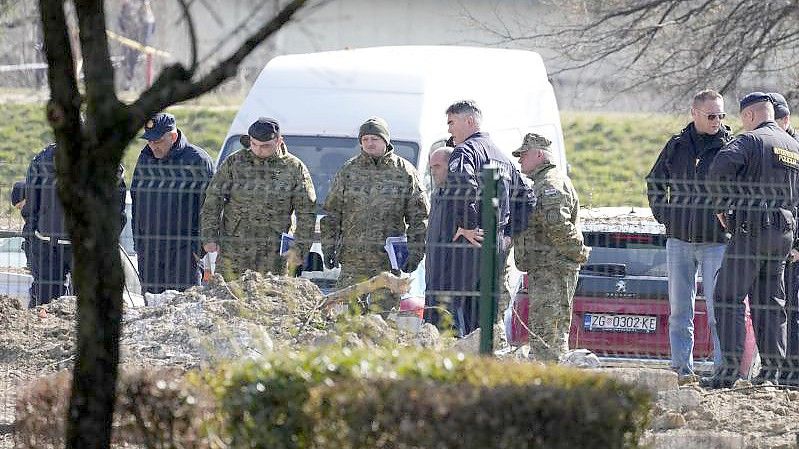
[436,262]
[473,149]
[676,190]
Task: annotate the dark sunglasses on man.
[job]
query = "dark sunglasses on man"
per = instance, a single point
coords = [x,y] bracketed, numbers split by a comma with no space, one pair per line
[713,116]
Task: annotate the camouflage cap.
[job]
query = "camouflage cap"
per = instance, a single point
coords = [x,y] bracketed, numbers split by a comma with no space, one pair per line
[533,140]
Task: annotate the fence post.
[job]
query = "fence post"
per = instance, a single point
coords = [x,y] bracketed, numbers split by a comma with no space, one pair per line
[488,259]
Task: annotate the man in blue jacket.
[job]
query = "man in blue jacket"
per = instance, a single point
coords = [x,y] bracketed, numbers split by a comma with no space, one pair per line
[49,252]
[454,245]
[168,190]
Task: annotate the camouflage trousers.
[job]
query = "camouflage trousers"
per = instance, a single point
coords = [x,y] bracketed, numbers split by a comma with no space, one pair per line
[235,259]
[551,291]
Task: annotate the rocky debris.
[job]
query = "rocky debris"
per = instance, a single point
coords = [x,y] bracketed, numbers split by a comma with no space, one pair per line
[244,318]
[746,418]
[651,379]
[470,344]
[668,420]
[580,358]
[683,439]
[682,400]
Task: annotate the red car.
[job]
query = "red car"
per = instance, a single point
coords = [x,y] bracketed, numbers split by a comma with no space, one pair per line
[621,306]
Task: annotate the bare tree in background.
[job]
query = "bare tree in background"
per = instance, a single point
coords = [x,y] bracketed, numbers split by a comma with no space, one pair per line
[676,44]
[89,152]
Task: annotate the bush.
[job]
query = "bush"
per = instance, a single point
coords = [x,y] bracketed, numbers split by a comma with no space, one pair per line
[408,399]
[154,409]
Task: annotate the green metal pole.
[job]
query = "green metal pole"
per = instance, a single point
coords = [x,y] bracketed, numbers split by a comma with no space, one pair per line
[488,258]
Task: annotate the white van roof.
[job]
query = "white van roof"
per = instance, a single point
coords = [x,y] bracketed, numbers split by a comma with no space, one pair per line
[332,93]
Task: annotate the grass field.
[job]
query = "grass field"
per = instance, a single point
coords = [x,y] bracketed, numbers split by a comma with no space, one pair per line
[609,153]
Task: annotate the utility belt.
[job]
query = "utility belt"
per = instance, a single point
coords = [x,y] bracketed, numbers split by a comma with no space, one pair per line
[753,221]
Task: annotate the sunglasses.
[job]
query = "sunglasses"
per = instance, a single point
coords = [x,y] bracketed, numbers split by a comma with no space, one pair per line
[713,116]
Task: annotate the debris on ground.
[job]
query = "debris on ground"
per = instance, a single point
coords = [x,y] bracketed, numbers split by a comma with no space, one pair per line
[220,321]
[257,313]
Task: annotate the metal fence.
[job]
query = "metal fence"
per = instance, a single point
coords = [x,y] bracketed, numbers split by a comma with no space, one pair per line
[624,309]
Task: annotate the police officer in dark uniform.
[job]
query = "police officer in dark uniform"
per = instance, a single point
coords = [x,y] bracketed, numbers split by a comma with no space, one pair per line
[756,180]
[782,115]
[50,253]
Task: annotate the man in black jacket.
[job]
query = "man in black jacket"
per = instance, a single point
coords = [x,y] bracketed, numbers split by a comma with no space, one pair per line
[678,198]
[168,189]
[455,254]
[50,253]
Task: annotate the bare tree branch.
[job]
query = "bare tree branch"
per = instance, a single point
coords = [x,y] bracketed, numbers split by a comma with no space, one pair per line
[713,42]
[192,35]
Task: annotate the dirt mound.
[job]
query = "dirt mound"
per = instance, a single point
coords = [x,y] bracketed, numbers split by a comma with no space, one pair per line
[243,318]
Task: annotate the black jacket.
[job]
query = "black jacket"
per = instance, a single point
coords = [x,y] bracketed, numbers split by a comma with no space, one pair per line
[43,212]
[677,190]
[167,196]
[758,178]
[455,266]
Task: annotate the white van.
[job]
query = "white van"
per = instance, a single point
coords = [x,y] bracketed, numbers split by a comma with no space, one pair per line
[321,99]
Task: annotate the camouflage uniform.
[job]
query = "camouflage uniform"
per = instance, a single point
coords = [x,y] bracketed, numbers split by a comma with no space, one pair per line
[249,204]
[551,250]
[372,199]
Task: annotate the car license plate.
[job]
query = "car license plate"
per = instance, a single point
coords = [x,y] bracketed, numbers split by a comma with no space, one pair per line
[619,323]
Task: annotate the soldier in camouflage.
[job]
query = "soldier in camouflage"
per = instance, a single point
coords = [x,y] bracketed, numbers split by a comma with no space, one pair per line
[375,195]
[551,249]
[250,201]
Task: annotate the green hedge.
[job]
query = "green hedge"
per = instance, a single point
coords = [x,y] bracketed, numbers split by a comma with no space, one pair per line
[379,398]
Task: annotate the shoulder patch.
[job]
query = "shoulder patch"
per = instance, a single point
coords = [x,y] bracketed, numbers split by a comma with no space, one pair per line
[454,166]
[550,191]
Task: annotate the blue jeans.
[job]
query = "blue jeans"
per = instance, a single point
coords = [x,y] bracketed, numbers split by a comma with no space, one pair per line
[682,261]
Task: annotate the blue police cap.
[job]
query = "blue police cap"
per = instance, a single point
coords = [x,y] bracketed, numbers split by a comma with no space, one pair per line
[754,97]
[158,126]
[17,192]
[781,108]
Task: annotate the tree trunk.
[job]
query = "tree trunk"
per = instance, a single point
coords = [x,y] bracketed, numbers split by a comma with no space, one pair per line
[94,225]
[87,160]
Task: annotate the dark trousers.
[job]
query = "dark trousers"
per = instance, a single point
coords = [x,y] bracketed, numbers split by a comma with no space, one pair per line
[168,268]
[792,309]
[49,265]
[753,265]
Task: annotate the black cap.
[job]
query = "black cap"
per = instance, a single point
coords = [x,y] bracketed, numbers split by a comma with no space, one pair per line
[781,108]
[754,97]
[264,129]
[159,125]
[17,192]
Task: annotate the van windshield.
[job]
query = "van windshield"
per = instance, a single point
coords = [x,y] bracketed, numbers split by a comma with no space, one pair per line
[324,156]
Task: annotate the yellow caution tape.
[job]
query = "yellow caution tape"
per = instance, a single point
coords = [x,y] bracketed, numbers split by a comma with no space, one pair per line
[138,45]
